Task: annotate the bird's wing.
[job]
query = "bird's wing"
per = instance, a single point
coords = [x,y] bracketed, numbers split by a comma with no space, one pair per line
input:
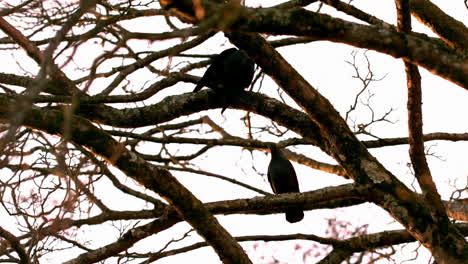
[215,71]
[199,86]
[282,176]
[293,184]
[270,178]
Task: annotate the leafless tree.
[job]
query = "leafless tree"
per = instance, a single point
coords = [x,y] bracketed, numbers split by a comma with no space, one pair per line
[96,112]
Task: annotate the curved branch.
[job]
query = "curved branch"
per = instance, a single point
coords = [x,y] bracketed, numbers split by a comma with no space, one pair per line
[326,198]
[415,121]
[449,29]
[16,245]
[355,12]
[300,22]
[172,107]
[276,203]
[127,240]
[342,248]
[168,253]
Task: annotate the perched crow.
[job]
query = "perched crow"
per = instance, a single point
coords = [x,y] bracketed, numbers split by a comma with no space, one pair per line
[283,179]
[228,75]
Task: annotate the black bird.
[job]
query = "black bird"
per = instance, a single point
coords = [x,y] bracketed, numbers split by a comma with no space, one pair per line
[228,75]
[283,179]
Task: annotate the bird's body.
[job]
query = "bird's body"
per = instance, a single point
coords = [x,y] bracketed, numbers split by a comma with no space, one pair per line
[283,179]
[228,75]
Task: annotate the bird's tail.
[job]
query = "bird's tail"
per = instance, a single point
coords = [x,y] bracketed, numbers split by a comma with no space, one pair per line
[294,215]
[198,87]
[225,102]
[224,108]
[229,97]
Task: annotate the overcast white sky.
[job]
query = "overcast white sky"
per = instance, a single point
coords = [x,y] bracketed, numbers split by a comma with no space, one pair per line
[323,65]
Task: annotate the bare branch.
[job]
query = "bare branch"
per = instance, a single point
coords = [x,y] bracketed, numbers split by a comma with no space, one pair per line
[416,141]
[16,245]
[449,29]
[150,176]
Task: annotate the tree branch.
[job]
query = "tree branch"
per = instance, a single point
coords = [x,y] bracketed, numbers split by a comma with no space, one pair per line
[127,240]
[350,153]
[16,245]
[297,21]
[449,29]
[276,203]
[415,123]
[385,142]
[191,209]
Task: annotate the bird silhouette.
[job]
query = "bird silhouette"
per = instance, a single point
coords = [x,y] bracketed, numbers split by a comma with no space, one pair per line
[229,74]
[283,179]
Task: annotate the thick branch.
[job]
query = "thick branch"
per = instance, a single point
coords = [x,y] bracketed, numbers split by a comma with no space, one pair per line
[344,248]
[355,12]
[330,197]
[32,50]
[336,256]
[297,21]
[16,245]
[172,107]
[370,242]
[449,29]
[415,123]
[324,198]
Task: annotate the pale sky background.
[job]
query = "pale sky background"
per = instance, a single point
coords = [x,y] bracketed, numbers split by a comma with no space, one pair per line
[323,65]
